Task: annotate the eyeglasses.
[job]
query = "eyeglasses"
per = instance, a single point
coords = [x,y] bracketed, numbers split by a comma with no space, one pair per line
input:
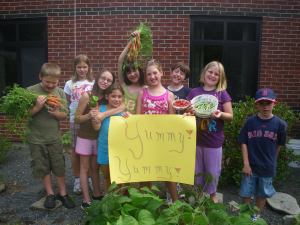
[109,81]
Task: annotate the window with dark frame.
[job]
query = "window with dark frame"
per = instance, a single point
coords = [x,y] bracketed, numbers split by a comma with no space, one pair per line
[23,50]
[233,41]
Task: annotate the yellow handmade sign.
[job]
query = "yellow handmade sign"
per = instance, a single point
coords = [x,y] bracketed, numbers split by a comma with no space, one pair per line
[152,148]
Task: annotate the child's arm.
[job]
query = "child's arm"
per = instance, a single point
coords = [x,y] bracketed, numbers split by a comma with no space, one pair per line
[278,149]
[83,103]
[102,115]
[138,109]
[58,115]
[226,115]
[123,57]
[171,109]
[246,169]
[39,104]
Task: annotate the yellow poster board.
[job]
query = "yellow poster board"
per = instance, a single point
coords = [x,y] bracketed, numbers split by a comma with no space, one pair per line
[152,148]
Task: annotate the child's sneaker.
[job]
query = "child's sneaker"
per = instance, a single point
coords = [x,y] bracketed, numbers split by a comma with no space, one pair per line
[65,200]
[255,217]
[91,185]
[179,189]
[99,198]
[77,187]
[168,198]
[50,202]
[85,205]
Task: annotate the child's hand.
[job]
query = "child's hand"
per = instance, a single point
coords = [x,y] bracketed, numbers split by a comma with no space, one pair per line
[93,113]
[126,114]
[216,114]
[187,114]
[40,101]
[134,34]
[190,109]
[247,171]
[54,111]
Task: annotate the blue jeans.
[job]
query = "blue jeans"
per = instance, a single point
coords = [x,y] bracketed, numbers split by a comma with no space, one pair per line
[262,185]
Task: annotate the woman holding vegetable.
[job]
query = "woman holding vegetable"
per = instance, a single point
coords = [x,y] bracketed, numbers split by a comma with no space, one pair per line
[210,137]
[87,139]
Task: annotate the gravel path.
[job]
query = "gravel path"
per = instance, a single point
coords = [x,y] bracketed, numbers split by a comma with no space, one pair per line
[14,208]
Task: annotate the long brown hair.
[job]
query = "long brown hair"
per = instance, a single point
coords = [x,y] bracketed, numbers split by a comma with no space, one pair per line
[96,88]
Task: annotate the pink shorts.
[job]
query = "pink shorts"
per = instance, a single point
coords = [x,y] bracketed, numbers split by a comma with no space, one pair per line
[86,146]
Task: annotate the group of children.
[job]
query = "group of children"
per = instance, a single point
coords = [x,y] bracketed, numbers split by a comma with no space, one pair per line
[141,92]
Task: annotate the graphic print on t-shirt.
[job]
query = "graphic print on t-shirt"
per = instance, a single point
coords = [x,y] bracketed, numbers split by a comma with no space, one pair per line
[78,91]
[206,125]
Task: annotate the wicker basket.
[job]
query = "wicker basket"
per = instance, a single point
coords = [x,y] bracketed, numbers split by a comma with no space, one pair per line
[205,98]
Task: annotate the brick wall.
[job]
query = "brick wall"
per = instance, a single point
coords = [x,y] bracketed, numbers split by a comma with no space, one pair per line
[101,30]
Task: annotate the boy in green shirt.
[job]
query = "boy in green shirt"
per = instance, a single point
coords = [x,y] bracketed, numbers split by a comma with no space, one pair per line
[44,138]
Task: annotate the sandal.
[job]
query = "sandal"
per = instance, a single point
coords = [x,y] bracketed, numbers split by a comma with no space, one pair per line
[50,202]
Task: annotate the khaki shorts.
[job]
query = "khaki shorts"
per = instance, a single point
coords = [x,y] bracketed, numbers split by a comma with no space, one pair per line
[45,159]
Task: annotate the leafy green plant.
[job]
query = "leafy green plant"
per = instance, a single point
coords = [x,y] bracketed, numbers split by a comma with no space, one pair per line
[149,209]
[144,49]
[66,138]
[5,146]
[297,219]
[232,155]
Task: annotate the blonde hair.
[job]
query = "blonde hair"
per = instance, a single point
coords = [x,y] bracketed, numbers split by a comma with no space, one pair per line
[82,58]
[222,84]
[50,69]
[153,62]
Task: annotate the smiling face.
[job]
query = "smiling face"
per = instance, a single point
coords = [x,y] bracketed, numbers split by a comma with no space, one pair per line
[265,108]
[48,83]
[114,99]
[153,76]
[212,77]
[105,80]
[177,76]
[133,75]
[82,70]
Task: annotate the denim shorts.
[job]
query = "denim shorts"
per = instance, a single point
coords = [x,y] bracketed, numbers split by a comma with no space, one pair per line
[262,185]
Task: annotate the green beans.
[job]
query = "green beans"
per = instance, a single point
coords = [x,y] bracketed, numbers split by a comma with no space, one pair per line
[204,105]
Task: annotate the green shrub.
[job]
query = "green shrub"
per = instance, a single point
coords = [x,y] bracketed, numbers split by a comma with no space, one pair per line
[149,209]
[66,138]
[232,153]
[5,146]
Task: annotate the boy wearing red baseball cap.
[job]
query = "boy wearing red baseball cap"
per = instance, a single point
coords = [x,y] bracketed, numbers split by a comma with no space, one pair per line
[261,136]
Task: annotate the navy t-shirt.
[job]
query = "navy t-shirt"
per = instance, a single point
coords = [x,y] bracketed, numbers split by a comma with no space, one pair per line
[180,93]
[262,138]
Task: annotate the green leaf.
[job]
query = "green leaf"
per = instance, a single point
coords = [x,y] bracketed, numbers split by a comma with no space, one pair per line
[100,219]
[154,204]
[145,218]
[112,186]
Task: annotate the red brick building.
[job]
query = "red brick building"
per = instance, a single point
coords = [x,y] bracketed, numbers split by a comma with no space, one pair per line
[256,40]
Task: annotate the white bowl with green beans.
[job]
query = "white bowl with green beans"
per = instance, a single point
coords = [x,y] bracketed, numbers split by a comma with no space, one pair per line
[204,105]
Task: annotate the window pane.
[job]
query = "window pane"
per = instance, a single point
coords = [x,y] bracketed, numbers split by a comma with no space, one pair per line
[8,67]
[241,72]
[32,32]
[241,31]
[203,54]
[7,32]
[208,31]
[32,61]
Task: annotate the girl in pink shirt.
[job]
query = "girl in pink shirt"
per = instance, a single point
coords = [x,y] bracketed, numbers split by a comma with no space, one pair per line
[155,99]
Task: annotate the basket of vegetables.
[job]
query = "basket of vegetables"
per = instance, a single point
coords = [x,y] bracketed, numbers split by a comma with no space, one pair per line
[204,105]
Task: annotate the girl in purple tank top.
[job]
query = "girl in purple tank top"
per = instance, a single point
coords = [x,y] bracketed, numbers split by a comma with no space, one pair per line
[210,130]
[155,99]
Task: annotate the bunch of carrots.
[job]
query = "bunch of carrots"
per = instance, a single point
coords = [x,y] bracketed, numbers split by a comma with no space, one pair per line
[52,101]
[134,48]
